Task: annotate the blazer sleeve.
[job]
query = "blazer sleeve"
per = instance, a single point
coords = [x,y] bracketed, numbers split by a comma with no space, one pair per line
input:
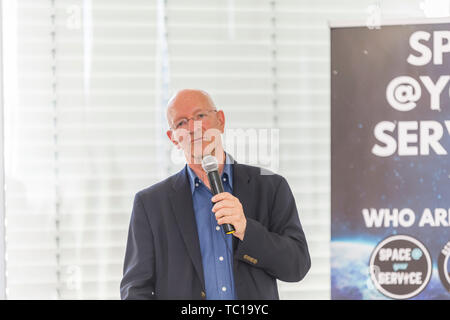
[279,248]
[138,270]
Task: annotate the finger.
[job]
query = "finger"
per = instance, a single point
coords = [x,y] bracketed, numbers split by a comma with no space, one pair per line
[224,212]
[225,219]
[222,196]
[223,204]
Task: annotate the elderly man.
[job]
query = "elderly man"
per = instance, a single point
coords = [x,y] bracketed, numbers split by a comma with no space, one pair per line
[176,248]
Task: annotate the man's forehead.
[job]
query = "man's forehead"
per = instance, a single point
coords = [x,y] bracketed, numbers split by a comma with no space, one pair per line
[186,102]
[190,98]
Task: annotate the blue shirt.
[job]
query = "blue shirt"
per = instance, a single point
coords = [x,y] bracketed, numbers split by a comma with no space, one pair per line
[215,246]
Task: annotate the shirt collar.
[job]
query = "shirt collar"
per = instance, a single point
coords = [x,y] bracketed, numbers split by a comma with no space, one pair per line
[227,173]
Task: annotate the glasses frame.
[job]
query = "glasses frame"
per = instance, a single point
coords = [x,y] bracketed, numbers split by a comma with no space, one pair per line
[194,117]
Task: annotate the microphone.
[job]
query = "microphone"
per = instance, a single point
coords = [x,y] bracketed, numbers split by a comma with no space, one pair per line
[211,167]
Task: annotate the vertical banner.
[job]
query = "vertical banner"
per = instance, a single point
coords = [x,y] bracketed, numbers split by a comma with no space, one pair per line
[390,163]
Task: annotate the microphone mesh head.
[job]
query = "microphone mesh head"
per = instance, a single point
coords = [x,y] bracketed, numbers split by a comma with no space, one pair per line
[209,163]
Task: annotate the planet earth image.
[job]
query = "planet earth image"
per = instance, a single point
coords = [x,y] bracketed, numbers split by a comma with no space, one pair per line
[350,278]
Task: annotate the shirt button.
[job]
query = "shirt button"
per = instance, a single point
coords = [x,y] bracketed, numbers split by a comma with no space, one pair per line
[224,289]
[217,228]
[224,179]
[196,184]
[221,258]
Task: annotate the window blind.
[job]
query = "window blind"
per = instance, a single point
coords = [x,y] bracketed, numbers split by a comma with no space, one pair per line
[86,82]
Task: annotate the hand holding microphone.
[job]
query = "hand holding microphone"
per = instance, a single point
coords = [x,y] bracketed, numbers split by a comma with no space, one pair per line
[228,209]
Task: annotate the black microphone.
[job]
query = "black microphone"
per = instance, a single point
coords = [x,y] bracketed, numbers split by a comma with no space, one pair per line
[211,167]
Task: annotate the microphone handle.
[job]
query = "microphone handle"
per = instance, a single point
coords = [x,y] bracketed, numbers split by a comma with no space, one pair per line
[217,187]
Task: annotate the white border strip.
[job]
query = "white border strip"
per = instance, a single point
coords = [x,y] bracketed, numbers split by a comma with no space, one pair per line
[2,172]
[386,22]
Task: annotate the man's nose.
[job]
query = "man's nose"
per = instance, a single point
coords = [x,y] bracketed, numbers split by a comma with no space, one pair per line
[194,125]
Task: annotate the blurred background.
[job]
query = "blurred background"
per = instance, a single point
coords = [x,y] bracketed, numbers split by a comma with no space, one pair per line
[85,84]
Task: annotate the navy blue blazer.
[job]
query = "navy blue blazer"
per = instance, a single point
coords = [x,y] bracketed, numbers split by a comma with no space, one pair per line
[163,259]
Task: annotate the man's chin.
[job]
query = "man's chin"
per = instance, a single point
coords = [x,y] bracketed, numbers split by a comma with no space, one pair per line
[197,156]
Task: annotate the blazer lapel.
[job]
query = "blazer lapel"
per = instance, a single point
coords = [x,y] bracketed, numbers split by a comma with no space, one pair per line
[183,209]
[242,191]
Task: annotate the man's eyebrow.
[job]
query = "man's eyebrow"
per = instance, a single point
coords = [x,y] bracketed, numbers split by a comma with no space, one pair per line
[197,110]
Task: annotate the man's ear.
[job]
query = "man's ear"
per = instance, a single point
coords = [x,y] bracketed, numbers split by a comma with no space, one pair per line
[171,138]
[221,119]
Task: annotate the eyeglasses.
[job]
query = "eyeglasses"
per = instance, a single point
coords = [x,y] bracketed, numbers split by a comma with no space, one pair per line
[183,122]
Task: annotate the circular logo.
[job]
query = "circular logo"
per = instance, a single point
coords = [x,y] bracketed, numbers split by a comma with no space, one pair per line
[443,266]
[400,267]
